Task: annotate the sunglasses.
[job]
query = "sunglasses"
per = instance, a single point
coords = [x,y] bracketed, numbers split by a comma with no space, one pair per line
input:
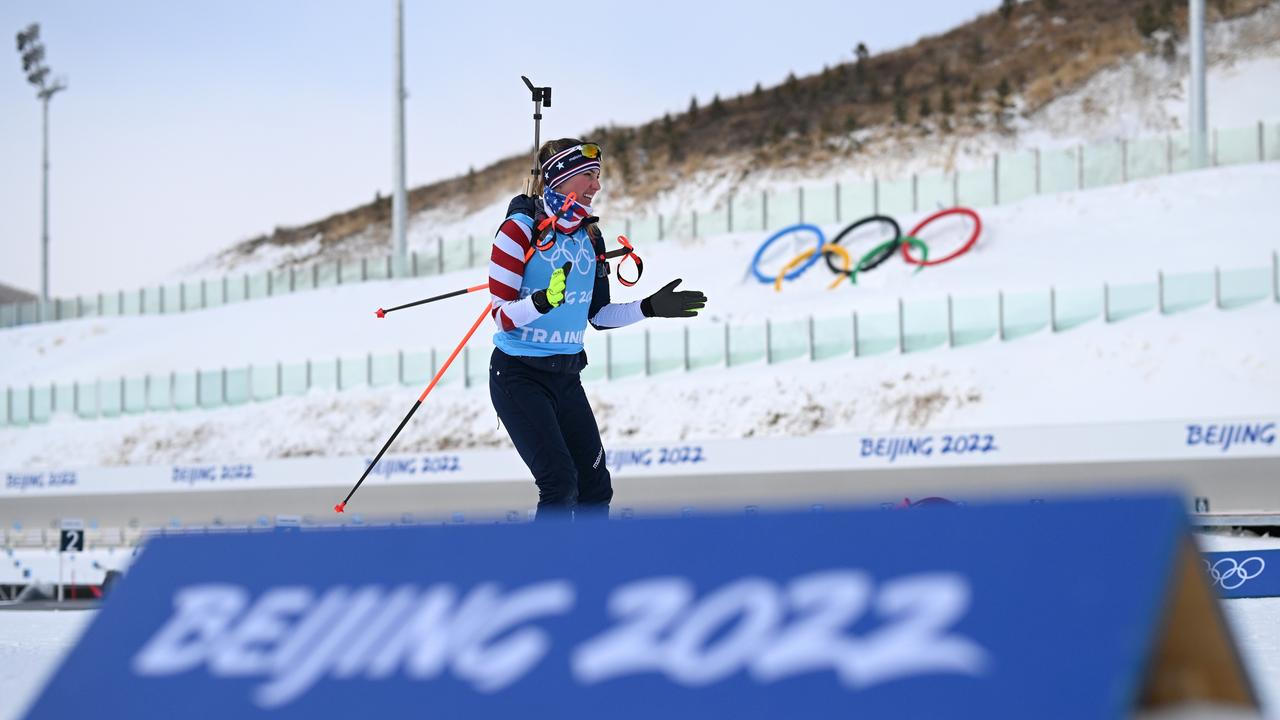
[590,151]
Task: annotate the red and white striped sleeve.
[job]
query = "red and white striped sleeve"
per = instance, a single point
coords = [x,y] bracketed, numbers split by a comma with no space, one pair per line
[506,271]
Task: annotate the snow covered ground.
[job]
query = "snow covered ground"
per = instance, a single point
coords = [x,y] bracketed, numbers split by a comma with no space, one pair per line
[1200,363]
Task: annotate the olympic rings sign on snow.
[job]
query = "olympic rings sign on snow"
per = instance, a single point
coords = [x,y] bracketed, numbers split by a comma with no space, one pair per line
[875,257]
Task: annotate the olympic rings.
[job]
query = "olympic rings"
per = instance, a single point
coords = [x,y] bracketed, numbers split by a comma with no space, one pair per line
[829,248]
[880,249]
[755,261]
[977,230]
[864,264]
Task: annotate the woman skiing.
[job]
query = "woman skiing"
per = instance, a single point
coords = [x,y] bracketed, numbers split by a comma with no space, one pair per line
[542,308]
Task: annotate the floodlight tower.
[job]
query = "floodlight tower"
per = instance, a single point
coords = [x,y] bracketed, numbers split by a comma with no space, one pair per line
[32,52]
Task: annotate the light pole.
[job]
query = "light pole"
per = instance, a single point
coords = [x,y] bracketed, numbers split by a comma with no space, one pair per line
[32,52]
[399,213]
[1198,115]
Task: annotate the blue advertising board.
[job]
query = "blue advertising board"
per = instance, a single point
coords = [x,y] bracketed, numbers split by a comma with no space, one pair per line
[1001,611]
[1244,574]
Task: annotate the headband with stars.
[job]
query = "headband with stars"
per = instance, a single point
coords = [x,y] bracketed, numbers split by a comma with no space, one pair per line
[565,164]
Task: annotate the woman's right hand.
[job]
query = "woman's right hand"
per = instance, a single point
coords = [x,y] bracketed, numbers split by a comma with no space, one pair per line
[547,300]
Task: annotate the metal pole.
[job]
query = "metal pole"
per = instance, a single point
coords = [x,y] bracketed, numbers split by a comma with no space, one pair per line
[398,203]
[44,209]
[1197,111]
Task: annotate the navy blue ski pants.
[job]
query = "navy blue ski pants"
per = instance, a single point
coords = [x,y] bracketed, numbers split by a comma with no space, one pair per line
[545,410]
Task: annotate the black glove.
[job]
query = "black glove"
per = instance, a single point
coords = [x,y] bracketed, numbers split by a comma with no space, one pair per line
[547,300]
[670,304]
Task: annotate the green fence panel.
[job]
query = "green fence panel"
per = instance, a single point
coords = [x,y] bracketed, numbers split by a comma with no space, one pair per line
[323,374]
[877,333]
[66,308]
[1127,300]
[1244,286]
[666,350]
[710,223]
[1025,314]
[237,384]
[748,212]
[594,345]
[87,400]
[1184,291]
[64,399]
[41,403]
[820,204]
[214,295]
[788,339]
[279,281]
[185,391]
[832,337]
[974,319]
[235,288]
[20,406]
[294,379]
[478,364]
[1103,164]
[135,395]
[8,315]
[746,343]
[192,295]
[1075,306]
[1234,146]
[784,208]
[171,299]
[113,304]
[1017,176]
[934,192]
[91,305]
[1147,158]
[210,388]
[303,278]
[897,197]
[28,313]
[264,382]
[677,226]
[1271,141]
[326,275]
[160,392]
[706,345]
[110,398]
[857,200]
[625,354]
[4,406]
[259,285]
[924,324]
[353,372]
[418,368]
[457,255]
[1180,152]
[974,188]
[384,370]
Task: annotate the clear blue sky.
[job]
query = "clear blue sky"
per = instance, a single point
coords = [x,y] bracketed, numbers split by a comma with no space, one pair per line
[190,126]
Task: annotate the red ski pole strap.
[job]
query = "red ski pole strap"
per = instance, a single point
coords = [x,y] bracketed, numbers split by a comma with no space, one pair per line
[626,252]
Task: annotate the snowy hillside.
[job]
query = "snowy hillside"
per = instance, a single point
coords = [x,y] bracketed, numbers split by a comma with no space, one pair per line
[1200,363]
[1142,96]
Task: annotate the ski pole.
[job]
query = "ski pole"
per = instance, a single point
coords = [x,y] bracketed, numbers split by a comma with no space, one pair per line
[340,507]
[383,313]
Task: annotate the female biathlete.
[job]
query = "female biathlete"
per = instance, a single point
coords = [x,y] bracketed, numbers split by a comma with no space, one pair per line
[542,308]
